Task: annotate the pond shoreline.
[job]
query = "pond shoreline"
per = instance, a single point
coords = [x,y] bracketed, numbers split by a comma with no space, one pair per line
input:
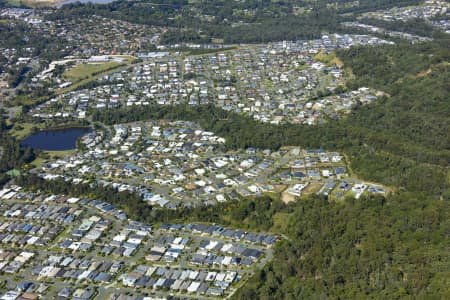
[61,138]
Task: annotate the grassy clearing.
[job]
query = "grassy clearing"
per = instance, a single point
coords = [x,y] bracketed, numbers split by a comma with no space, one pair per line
[280,222]
[13,172]
[58,154]
[22,130]
[312,188]
[279,188]
[15,2]
[334,197]
[33,3]
[39,161]
[84,71]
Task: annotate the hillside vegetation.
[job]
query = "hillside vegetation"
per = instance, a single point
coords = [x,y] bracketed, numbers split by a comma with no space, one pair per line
[381,248]
[377,247]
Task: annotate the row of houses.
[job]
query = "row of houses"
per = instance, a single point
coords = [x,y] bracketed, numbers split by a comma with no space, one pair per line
[209,283]
[425,11]
[275,83]
[179,164]
[97,248]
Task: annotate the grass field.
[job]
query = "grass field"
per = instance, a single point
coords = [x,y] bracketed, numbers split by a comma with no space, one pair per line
[20,131]
[46,156]
[39,161]
[280,222]
[84,71]
[33,3]
[58,154]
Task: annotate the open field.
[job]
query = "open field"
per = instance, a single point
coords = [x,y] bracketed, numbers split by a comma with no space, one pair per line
[85,73]
[57,154]
[85,70]
[33,3]
[37,162]
[280,222]
[24,129]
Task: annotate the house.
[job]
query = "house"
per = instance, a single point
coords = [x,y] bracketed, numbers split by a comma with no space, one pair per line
[66,292]
[130,279]
[193,287]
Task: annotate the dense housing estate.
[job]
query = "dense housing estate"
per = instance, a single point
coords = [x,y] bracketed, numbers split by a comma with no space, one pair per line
[70,243]
[145,199]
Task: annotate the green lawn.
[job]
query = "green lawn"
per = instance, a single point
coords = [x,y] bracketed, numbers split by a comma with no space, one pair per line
[62,153]
[39,161]
[13,172]
[32,3]
[22,130]
[280,222]
[84,71]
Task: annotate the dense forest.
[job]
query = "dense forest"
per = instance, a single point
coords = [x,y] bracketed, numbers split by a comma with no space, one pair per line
[12,155]
[371,5]
[381,248]
[232,21]
[414,26]
[27,42]
[413,121]
[365,249]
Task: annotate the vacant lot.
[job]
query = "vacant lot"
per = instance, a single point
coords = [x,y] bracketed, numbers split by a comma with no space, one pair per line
[86,70]
[84,73]
[32,3]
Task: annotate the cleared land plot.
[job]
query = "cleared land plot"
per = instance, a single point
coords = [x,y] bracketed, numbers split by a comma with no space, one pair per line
[86,70]
[33,3]
[84,73]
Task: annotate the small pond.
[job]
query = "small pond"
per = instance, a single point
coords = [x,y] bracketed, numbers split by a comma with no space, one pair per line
[55,139]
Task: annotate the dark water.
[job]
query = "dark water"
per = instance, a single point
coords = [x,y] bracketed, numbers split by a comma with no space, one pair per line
[55,140]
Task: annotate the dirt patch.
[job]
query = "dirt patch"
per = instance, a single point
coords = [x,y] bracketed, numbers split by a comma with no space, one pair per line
[423,73]
[286,197]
